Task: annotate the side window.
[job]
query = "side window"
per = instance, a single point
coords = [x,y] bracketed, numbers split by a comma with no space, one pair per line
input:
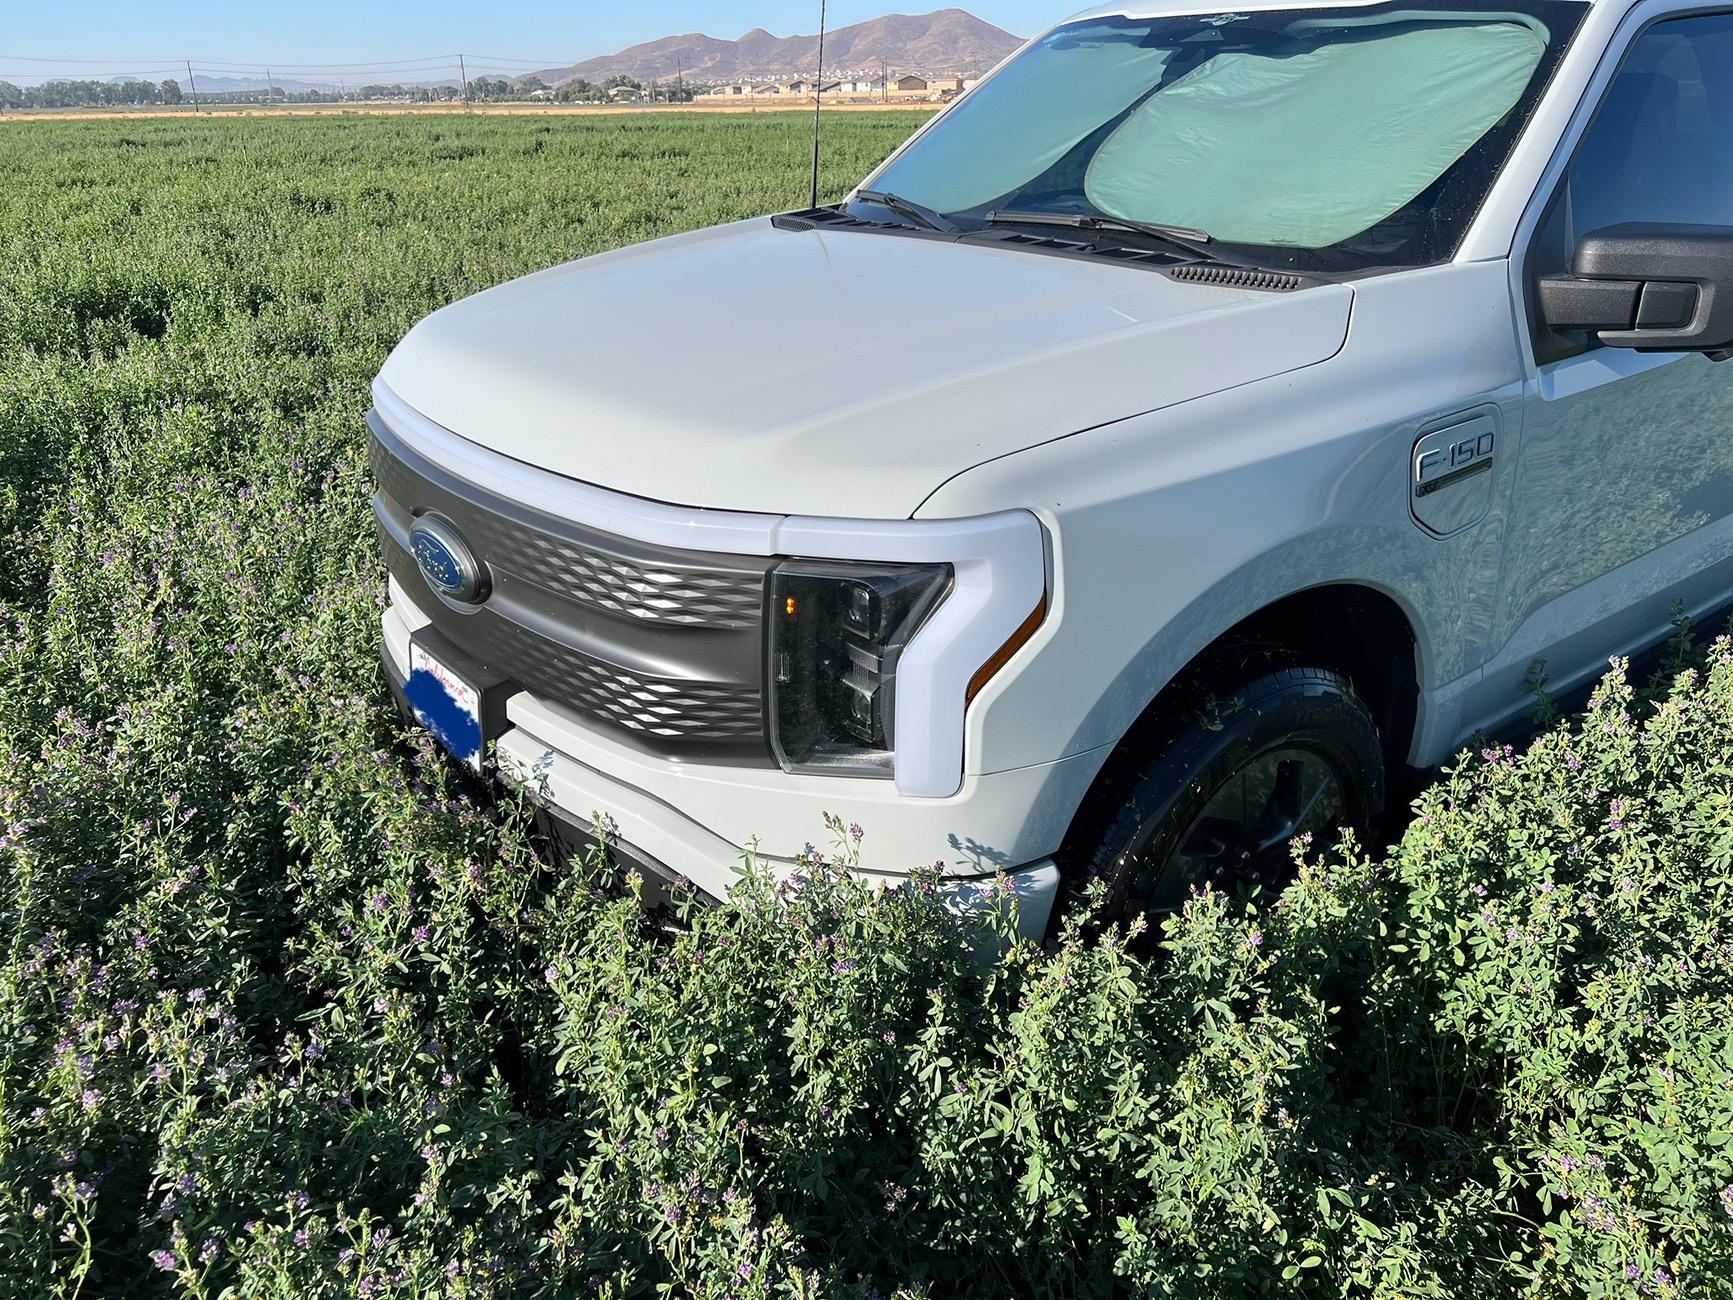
[1660,148]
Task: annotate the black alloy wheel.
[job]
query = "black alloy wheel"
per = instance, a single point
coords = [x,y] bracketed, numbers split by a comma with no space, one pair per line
[1218,797]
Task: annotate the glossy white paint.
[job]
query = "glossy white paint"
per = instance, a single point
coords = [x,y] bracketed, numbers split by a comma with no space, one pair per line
[1192,455]
[889,365]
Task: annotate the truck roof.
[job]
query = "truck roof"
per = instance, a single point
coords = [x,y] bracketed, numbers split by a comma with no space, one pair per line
[1175,8]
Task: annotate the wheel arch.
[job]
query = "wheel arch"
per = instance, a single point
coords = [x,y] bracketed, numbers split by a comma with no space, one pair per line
[1355,628]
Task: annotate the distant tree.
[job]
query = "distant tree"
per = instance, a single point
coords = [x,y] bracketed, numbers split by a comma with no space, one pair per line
[580,91]
[11,96]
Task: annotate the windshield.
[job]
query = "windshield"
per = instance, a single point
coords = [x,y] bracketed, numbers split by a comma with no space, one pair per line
[1316,139]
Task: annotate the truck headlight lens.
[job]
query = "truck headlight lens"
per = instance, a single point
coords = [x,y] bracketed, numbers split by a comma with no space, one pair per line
[836,631]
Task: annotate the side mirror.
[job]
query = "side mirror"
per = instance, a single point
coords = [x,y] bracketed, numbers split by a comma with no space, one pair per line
[1655,288]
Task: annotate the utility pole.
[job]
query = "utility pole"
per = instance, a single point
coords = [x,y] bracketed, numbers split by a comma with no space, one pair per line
[270,86]
[463,79]
[193,83]
[885,79]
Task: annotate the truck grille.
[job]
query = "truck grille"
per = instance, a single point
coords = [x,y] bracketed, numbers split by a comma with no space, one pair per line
[649,706]
[578,569]
[662,648]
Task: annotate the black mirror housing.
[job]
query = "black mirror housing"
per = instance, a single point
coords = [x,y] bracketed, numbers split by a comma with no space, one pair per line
[1654,288]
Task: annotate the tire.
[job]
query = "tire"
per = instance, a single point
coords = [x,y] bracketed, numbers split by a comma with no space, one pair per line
[1207,796]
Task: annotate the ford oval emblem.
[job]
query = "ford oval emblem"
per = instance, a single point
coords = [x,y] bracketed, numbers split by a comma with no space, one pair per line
[446,561]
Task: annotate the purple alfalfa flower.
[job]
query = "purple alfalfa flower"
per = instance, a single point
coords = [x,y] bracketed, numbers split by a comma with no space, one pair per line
[1727,1199]
[421,934]
[1661,1277]
[1632,1272]
[195,995]
[378,902]
[92,1099]
[1255,940]
[209,1250]
[659,1135]
[1477,889]
[1616,815]
[303,1237]
[164,1260]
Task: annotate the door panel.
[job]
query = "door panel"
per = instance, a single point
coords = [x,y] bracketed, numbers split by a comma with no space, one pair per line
[1624,492]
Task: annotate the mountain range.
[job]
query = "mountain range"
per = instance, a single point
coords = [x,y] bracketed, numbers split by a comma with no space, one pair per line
[948,40]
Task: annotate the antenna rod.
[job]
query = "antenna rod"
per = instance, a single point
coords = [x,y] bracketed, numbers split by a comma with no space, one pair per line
[818,97]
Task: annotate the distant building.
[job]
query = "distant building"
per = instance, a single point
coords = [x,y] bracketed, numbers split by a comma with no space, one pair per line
[625,94]
[952,84]
[909,84]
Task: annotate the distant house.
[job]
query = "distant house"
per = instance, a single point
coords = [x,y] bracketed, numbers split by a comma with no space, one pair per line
[909,84]
[625,94]
[952,84]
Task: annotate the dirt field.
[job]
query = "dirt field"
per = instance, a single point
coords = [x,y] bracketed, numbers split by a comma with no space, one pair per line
[383,109]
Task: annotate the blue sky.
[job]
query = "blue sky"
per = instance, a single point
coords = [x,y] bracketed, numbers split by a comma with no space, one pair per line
[136,36]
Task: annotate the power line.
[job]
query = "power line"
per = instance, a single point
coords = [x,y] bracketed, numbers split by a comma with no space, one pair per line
[489,60]
[133,73]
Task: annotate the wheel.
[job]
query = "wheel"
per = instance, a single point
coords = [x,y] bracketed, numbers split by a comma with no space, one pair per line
[1217,794]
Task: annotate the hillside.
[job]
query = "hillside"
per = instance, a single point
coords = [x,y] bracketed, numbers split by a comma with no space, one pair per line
[948,40]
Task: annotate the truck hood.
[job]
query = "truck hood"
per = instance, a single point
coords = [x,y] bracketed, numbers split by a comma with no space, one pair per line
[844,373]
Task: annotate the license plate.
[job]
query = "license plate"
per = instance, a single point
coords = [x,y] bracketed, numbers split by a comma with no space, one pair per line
[446,705]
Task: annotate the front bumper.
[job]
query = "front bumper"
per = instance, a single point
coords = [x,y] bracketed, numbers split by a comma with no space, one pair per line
[695,822]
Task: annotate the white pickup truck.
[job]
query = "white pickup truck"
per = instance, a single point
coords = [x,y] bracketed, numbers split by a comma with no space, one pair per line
[1205,419]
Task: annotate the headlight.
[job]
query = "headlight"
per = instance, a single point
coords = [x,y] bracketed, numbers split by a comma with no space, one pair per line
[836,632]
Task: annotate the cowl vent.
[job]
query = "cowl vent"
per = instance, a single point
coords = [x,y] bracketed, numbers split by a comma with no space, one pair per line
[1235,277]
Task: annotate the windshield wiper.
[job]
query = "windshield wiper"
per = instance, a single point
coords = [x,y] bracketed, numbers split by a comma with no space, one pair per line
[915,212]
[1183,238]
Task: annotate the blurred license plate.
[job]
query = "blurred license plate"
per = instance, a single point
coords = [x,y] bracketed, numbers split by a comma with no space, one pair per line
[445,704]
